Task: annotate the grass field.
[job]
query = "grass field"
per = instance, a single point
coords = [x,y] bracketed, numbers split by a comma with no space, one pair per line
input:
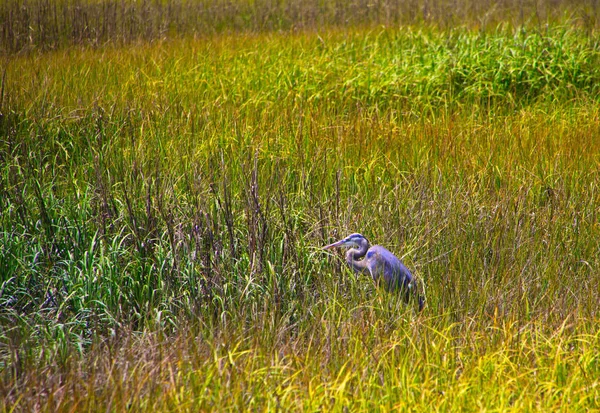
[164,201]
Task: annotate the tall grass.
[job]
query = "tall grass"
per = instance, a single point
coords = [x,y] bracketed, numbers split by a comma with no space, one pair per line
[32,25]
[163,208]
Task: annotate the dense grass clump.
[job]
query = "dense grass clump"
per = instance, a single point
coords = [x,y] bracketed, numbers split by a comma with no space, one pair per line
[163,208]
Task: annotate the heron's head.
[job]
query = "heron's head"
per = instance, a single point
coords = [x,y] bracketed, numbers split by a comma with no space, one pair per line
[352,240]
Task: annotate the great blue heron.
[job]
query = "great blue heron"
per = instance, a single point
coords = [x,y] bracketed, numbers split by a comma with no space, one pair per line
[378,262]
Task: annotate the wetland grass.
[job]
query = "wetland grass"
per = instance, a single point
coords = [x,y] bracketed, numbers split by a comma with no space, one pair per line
[164,204]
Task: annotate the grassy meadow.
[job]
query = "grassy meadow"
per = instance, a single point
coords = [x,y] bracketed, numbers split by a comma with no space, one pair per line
[164,201]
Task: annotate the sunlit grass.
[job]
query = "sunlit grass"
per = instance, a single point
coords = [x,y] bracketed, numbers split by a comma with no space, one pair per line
[164,205]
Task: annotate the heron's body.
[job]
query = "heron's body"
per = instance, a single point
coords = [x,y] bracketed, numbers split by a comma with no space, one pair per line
[378,262]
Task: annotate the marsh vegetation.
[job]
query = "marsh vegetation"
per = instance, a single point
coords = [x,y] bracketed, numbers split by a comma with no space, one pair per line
[164,199]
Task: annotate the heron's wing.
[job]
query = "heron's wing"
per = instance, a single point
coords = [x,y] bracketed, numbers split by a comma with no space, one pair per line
[387,264]
[375,264]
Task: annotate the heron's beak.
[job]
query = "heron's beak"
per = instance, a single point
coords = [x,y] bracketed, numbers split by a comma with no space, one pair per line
[335,244]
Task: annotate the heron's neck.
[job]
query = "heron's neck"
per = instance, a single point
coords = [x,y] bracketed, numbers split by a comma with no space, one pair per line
[354,255]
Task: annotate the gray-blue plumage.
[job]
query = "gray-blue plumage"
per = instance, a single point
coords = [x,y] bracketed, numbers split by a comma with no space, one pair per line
[378,262]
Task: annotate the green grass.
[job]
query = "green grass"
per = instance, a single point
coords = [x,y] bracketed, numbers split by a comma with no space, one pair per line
[164,204]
